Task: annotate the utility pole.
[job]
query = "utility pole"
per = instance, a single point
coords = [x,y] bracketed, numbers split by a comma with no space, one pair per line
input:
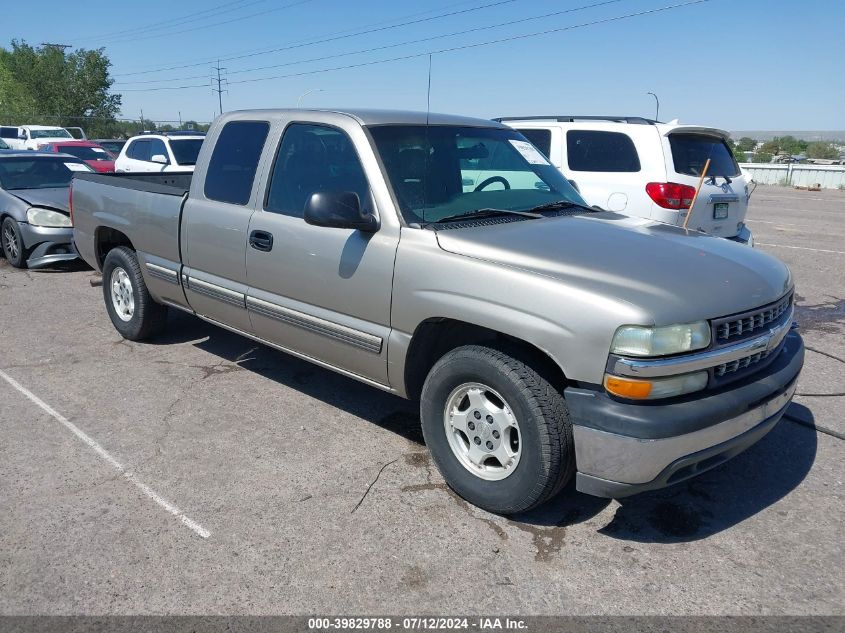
[220,81]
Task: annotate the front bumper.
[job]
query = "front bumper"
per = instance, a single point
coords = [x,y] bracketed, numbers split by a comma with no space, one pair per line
[48,245]
[625,448]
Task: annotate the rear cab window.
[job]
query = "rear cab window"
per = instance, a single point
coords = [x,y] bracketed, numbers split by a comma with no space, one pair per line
[691,151]
[598,151]
[234,162]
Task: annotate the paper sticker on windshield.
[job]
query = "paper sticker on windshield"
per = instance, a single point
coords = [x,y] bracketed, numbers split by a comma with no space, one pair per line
[77,166]
[529,152]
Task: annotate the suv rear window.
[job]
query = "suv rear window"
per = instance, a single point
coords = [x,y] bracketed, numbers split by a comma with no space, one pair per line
[231,170]
[589,150]
[541,139]
[691,151]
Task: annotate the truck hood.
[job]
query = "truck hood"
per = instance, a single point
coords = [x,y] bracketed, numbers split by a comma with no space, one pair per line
[674,275]
[52,198]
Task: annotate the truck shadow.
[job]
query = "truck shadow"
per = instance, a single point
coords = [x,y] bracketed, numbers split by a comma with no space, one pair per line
[368,403]
[706,505]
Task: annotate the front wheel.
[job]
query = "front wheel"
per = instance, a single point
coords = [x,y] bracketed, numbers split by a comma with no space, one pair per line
[132,310]
[497,429]
[13,247]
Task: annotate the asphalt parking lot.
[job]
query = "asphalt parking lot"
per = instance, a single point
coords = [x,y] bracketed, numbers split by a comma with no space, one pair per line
[256,483]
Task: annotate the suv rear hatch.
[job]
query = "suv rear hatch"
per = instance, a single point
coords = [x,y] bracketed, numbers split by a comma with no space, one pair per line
[723,201]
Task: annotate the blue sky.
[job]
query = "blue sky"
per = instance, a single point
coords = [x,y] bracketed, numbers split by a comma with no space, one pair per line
[737,64]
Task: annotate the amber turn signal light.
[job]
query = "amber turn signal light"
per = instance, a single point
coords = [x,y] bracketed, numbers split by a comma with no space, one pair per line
[628,388]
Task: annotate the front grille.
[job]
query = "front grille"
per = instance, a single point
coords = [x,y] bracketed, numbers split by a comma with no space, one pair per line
[737,365]
[748,323]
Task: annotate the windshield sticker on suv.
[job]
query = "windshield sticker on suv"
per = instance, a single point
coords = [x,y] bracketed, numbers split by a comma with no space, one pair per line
[77,166]
[529,152]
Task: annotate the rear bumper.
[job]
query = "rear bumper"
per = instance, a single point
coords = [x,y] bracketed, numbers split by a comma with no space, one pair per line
[623,449]
[48,245]
[744,237]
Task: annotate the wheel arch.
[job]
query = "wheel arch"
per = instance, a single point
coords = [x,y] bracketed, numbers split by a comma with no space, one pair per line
[434,337]
[105,239]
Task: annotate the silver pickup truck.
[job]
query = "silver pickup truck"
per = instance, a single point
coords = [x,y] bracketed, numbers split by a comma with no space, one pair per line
[445,260]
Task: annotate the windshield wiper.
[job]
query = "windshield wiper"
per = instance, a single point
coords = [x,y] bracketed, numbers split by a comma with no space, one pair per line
[485,213]
[561,204]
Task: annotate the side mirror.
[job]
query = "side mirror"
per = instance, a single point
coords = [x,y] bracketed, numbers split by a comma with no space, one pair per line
[21,136]
[159,158]
[340,210]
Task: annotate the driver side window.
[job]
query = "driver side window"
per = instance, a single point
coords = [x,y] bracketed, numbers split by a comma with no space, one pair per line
[311,159]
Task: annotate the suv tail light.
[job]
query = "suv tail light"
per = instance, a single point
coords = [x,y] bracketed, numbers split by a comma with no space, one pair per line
[670,195]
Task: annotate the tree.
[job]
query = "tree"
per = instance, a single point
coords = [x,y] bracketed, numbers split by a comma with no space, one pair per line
[761,157]
[62,89]
[822,150]
[745,144]
[784,144]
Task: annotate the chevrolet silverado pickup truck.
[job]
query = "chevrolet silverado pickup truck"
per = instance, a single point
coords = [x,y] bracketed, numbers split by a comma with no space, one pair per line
[445,260]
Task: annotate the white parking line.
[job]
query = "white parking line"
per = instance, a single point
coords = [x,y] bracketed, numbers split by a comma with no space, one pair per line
[769,222]
[800,248]
[129,475]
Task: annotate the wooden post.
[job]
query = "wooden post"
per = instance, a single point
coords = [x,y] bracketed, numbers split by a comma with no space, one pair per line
[695,197]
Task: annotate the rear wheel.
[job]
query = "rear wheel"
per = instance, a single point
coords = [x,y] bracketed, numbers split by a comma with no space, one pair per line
[13,248]
[498,430]
[131,308]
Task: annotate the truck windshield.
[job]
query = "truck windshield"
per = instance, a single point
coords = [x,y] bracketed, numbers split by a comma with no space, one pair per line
[440,171]
[57,132]
[38,172]
[185,151]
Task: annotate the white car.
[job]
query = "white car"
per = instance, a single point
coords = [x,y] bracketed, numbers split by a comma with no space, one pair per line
[159,152]
[644,168]
[33,136]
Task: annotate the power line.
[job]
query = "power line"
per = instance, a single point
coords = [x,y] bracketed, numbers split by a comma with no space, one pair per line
[442,50]
[213,24]
[396,45]
[326,40]
[207,13]
[203,61]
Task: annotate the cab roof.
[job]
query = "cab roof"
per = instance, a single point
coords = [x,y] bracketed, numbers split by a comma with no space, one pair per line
[369,117]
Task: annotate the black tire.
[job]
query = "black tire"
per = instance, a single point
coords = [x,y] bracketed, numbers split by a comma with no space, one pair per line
[148,318]
[547,459]
[13,248]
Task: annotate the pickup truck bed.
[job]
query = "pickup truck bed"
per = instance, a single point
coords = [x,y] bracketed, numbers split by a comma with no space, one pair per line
[151,201]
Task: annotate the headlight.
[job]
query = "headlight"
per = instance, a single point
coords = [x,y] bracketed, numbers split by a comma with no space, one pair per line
[635,389]
[636,340]
[47,218]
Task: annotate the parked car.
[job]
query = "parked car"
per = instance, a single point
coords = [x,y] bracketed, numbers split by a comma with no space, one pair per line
[540,336]
[34,136]
[35,225]
[96,157]
[159,152]
[647,169]
[114,145]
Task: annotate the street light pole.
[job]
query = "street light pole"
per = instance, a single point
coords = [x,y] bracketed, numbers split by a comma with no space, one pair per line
[306,93]
[657,112]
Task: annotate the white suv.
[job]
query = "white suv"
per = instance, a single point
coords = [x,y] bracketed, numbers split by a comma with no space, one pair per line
[645,168]
[160,152]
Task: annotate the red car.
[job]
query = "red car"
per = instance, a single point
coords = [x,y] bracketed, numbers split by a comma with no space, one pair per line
[98,157]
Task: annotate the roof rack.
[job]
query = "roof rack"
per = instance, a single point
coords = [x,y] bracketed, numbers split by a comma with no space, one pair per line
[174,132]
[570,118]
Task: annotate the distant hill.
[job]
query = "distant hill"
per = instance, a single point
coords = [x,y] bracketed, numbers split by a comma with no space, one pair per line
[807,135]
